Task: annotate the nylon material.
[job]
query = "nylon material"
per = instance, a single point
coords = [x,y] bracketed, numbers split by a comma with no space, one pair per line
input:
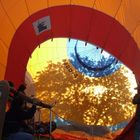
[2,14]
[132,57]
[6,16]
[58,2]
[129,19]
[100,37]
[35,6]
[84,3]
[10,4]
[24,48]
[84,26]
[135,5]
[122,40]
[33,40]
[3,52]
[121,16]
[16,81]
[109,7]
[6,31]
[13,9]
[24,44]
[133,16]
[2,71]
[135,55]
[20,67]
[18,14]
[105,6]
[2,66]
[3,44]
[3,58]
[137,36]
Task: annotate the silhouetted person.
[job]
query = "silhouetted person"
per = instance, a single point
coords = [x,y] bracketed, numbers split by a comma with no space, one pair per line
[15,116]
[136,101]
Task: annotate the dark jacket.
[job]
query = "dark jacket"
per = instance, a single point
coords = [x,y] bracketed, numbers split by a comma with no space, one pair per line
[15,117]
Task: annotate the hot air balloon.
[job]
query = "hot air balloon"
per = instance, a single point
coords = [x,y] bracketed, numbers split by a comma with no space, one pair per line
[113,24]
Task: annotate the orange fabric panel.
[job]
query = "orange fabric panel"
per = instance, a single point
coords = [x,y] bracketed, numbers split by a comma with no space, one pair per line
[129,17]
[58,2]
[16,10]
[3,53]
[36,5]
[3,59]
[109,7]
[86,3]
[132,57]
[6,29]
[2,71]
[136,35]
[128,132]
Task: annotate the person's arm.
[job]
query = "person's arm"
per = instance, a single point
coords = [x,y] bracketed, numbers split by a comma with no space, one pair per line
[136,99]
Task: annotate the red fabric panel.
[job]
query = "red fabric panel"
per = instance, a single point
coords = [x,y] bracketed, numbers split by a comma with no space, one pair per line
[100,28]
[68,137]
[117,43]
[61,136]
[128,132]
[132,56]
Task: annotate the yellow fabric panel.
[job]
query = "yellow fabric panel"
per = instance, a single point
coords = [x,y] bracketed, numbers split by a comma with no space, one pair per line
[16,10]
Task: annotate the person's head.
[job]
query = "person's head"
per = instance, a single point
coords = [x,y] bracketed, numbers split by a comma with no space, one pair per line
[11,84]
[22,87]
